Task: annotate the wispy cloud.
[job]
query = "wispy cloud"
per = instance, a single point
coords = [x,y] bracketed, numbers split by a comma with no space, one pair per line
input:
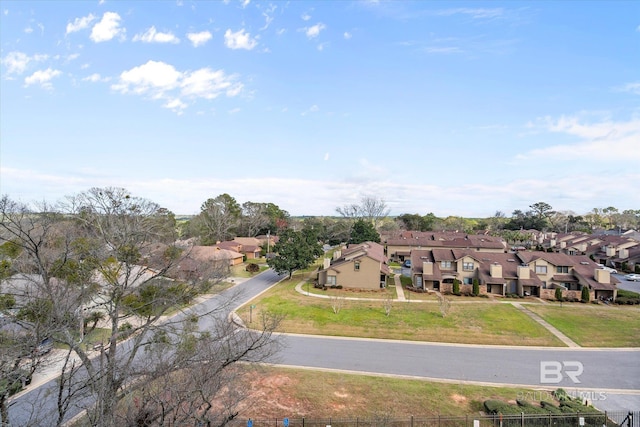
[239,40]
[80,23]
[198,39]
[95,78]
[314,31]
[42,78]
[475,13]
[633,87]
[154,36]
[600,140]
[18,62]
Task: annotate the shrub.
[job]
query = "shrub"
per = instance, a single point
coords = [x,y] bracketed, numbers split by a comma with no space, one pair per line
[476,287]
[252,268]
[456,287]
[558,294]
[585,296]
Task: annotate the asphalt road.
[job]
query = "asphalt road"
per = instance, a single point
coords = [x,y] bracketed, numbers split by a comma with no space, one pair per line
[610,378]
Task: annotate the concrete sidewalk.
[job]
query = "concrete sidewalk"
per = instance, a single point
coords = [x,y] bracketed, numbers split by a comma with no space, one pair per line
[562,337]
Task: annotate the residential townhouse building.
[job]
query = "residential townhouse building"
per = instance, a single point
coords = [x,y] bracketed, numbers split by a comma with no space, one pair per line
[522,273]
[400,245]
[363,266]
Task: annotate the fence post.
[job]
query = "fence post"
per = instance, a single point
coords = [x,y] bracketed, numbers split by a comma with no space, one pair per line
[411,420]
[302,421]
[521,419]
[549,419]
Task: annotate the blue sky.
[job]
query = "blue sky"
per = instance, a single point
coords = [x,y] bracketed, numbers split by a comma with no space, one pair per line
[455,108]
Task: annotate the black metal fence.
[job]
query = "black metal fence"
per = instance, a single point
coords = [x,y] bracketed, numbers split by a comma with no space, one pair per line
[593,419]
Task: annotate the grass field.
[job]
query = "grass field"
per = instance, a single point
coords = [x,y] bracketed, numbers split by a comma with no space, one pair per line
[594,325]
[473,323]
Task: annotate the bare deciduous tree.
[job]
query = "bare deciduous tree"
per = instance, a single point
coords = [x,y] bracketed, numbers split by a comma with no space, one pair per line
[443,304]
[336,304]
[387,303]
[98,253]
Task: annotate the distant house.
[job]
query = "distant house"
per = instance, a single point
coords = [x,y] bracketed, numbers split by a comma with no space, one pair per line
[363,266]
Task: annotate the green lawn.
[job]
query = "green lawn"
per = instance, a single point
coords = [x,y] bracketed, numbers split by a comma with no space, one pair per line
[592,325]
[473,323]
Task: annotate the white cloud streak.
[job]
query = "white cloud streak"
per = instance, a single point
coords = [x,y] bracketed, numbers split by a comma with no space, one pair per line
[80,23]
[18,62]
[42,77]
[199,39]
[154,36]
[239,40]
[605,140]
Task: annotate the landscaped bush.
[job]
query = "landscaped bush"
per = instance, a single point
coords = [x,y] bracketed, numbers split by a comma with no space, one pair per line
[585,296]
[456,287]
[252,268]
[558,294]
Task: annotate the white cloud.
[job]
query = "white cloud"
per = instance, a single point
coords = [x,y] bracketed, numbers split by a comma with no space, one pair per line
[153,36]
[159,80]
[268,16]
[604,140]
[479,13]
[42,77]
[153,78]
[17,62]
[198,39]
[80,23]
[631,87]
[314,31]
[245,3]
[28,30]
[239,40]
[95,77]
[305,17]
[443,49]
[234,110]
[313,109]
[208,84]
[347,35]
[175,105]
[108,28]
[326,156]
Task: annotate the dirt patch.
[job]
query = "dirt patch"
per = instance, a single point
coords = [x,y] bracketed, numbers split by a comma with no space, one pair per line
[458,398]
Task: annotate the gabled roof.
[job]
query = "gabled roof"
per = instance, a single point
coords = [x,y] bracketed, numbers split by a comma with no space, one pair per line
[371,250]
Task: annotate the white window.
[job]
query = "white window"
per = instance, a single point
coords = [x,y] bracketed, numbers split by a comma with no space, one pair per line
[541,269]
[445,264]
[356,266]
[562,269]
[468,266]
[331,280]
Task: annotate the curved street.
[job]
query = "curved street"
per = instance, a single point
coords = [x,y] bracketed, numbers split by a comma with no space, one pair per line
[610,378]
